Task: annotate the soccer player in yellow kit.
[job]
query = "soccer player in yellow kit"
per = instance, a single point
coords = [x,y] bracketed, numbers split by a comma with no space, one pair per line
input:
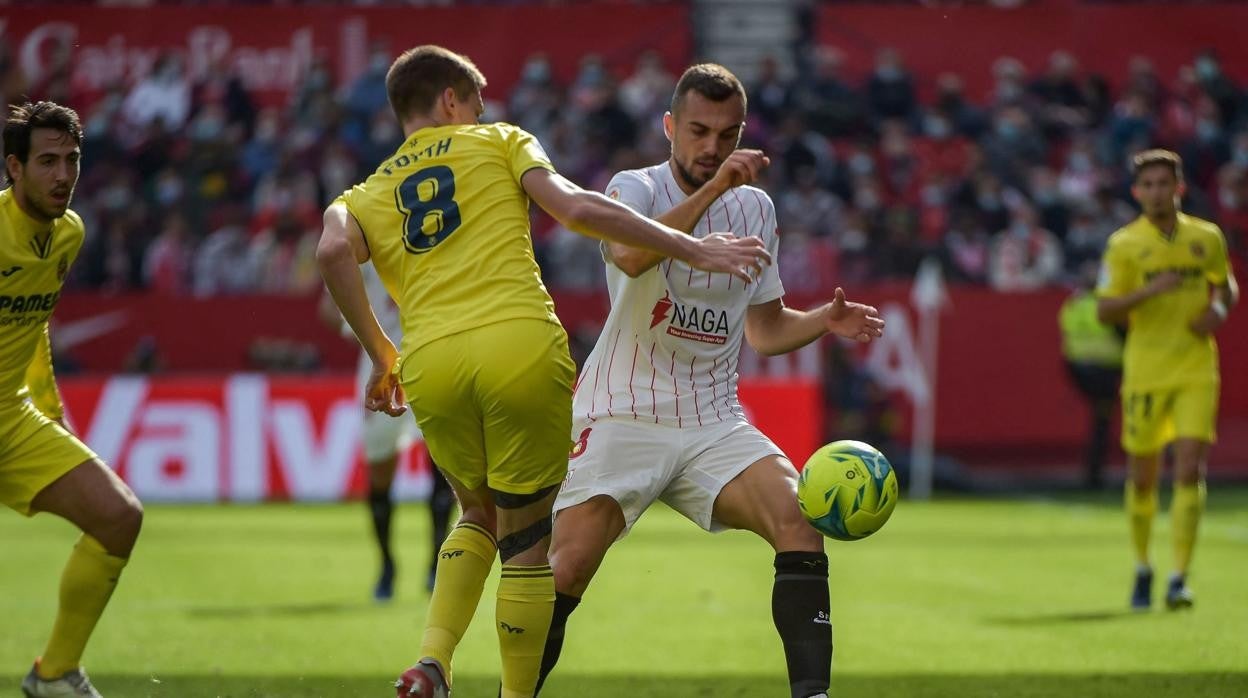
[43,466]
[484,361]
[1166,275]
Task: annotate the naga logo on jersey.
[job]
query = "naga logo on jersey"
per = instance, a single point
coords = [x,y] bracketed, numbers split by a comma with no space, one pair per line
[10,271]
[660,310]
[62,268]
[689,321]
[580,445]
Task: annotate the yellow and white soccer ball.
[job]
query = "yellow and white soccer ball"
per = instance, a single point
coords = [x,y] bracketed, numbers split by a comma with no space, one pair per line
[847,490]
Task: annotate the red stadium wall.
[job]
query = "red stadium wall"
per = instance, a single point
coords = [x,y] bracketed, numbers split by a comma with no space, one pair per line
[271,47]
[248,437]
[1001,392]
[1104,36]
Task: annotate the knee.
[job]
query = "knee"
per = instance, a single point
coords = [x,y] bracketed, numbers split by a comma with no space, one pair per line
[573,572]
[1187,474]
[482,515]
[1142,477]
[1143,485]
[379,481]
[118,524]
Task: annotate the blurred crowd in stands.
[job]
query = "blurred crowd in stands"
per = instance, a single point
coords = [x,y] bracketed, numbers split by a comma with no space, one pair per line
[191,187]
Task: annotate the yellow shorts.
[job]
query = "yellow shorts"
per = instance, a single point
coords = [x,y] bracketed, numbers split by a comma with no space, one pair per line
[495,404]
[1153,418]
[34,452]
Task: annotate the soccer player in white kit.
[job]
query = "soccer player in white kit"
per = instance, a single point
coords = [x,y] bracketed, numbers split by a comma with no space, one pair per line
[385,437]
[655,412]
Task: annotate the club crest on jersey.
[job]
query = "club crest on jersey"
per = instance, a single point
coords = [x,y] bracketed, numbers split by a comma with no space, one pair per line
[689,321]
[62,268]
[1198,250]
[581,444]
[615,194]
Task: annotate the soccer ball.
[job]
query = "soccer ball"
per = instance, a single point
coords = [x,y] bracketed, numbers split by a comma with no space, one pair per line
[847,490]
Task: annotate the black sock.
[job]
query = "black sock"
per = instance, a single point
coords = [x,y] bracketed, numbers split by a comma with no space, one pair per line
[800,608]
[564,606]
[382,508]
[441,505]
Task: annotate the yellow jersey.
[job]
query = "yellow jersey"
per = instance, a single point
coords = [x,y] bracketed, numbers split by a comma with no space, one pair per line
[447,227]
[33,264]
[1161,351]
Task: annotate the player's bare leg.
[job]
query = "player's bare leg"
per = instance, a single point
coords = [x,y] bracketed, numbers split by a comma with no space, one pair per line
[464,562]
[94,499]
[1141,503]
[381,507]
[1187,505]
[763,499]
[583,534]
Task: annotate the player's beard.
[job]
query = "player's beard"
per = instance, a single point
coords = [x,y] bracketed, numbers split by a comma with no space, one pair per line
[687,176]
[46,206]
[1163,210]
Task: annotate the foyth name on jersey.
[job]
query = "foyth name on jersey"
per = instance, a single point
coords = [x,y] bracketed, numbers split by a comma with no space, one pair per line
[415,156]
[708,325]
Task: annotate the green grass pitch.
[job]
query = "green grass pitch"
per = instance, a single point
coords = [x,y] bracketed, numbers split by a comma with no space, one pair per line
[956,598]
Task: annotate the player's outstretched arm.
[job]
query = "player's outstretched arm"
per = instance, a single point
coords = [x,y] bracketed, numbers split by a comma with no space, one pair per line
[594,215]
[741,168]
[772,329]
[339,254]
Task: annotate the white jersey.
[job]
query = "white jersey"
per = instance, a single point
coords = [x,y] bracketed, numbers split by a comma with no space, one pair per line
[669,350]
[387,315]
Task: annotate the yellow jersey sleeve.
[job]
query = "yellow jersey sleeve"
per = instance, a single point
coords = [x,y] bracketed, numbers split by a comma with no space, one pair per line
[1117,275]
[1219,269]
[40,381]
[525,153]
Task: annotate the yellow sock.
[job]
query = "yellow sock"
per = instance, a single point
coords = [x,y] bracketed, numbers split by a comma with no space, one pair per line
[86,584]
[1141,507]
[463,564]
[1185,511]
[526,602]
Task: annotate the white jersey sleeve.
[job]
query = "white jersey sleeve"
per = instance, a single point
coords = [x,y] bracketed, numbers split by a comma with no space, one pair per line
[768,286]
[635,190]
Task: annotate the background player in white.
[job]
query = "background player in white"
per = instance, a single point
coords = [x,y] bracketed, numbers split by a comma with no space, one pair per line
[655,410]
[385,437]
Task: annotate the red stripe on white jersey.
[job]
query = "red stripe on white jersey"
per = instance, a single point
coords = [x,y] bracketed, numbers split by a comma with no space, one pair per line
[676,389]
[693,386]
[610,364]
[654,372]
[632,372]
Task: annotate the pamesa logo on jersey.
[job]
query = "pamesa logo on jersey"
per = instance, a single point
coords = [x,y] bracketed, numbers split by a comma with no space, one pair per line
[708,325]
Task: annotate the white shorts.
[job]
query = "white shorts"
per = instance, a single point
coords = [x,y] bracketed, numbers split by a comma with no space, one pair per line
[384,436]
[636,463]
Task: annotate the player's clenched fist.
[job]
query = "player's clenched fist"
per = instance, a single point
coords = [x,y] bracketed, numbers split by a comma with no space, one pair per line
[383,393]
[741,168]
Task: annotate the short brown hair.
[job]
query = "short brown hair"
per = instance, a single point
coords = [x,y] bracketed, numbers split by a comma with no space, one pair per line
[1157,156]
[417,77]
[24,118]
[711,80]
